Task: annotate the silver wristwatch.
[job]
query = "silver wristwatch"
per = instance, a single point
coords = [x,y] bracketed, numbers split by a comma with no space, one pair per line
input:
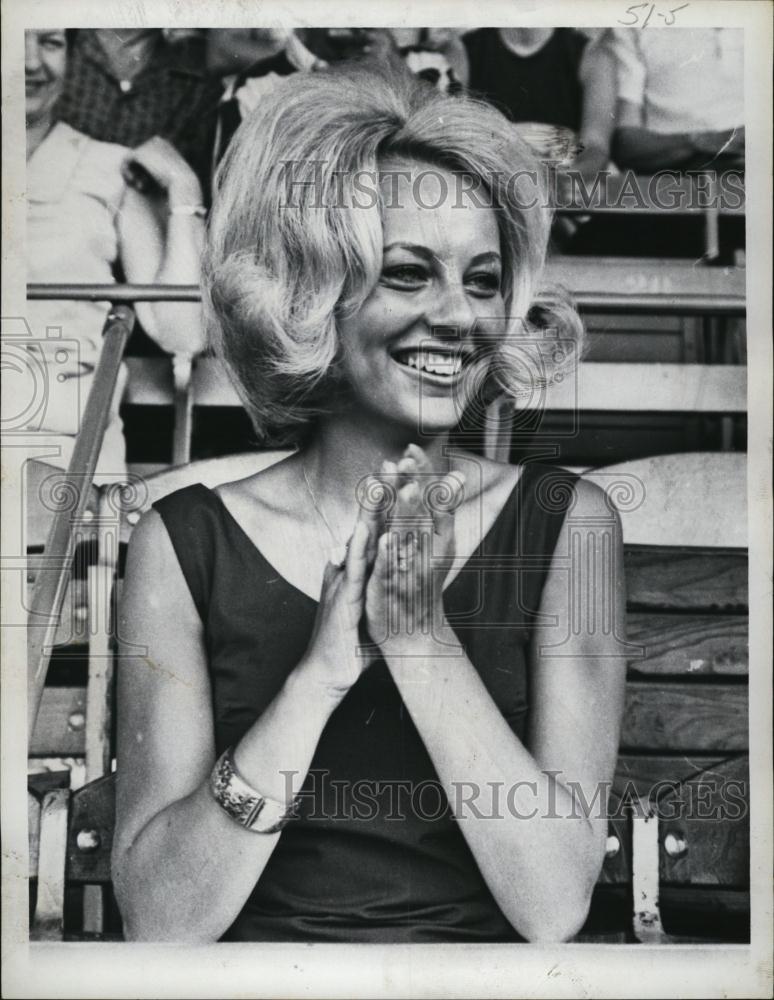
[249,808]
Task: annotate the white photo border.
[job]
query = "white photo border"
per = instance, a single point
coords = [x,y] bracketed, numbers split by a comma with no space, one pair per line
[467,970]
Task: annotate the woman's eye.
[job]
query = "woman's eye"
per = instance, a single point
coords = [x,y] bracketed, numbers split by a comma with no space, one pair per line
[486,282]
[52,42]
[404,276]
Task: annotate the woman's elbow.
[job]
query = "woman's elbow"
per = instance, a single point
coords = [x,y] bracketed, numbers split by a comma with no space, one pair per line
[148,912]
[135,927]
[557,912]
[143,923]
[556,923]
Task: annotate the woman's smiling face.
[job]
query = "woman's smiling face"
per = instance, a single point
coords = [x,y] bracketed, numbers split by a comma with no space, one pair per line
[410,355]
[45,62]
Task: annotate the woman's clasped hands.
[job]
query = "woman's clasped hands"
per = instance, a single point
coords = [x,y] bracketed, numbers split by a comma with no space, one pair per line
[386,597]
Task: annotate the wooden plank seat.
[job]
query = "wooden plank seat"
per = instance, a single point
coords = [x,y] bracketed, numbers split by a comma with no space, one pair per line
[602,386]
[684,745]
[596,276]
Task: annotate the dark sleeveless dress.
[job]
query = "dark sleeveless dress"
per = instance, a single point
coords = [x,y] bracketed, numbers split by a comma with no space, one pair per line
[375,854]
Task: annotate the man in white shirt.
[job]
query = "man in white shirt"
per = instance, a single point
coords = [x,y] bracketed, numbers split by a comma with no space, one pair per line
[680,98]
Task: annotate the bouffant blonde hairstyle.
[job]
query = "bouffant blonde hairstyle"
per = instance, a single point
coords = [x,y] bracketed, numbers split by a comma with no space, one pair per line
[293,243]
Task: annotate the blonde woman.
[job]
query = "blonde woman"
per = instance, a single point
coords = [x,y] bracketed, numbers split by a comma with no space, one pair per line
[362,705]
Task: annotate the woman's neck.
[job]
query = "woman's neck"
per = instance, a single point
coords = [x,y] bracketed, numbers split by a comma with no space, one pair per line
[37,132]
[344,451]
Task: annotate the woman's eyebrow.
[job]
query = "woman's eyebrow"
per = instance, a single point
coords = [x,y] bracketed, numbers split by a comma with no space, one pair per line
[490,257]
[415,248]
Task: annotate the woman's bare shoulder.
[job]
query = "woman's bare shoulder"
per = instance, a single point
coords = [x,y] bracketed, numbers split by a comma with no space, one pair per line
[154,583]
[272,488]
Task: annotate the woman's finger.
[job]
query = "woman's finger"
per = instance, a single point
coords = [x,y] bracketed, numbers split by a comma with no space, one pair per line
[356,564]
[381,570]
[407,469]
[407,582]
[409,513]
[444,502]
[409,499]
[372,512]
[420,458]
[331,572]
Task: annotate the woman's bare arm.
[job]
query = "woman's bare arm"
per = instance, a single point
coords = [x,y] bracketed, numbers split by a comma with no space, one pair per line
[182,867]
[541,856]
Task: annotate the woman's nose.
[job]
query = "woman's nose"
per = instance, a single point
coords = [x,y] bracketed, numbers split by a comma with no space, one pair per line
[32,61]
[451,312]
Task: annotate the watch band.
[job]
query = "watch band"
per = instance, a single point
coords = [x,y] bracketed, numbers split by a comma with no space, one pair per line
[249,808]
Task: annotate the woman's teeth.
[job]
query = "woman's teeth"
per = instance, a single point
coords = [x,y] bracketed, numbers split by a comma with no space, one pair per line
[433,362]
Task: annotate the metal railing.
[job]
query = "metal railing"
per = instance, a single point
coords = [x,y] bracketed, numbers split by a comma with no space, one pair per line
[53,577]
[681,304]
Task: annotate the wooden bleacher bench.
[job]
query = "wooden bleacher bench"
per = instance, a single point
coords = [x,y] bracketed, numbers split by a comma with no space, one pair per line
[685,730]
[594,277]
[617,387]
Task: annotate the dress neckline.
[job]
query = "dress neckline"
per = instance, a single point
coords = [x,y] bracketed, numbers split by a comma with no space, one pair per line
[488,534]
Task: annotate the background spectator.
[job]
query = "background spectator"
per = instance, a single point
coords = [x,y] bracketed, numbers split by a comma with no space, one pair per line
[82,220]
[680,107]
[126,85]
[681,98]
[233,50]
[446,42]
[530,74]
[314,48]
[548,76]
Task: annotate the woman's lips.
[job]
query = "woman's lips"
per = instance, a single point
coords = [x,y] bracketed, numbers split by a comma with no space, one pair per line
[449,378]
[426,361]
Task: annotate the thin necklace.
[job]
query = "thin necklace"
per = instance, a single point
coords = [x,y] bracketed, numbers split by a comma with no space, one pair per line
[339,550]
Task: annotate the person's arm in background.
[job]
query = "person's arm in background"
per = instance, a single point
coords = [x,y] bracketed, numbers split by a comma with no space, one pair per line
[161,240]
[600,89]
[645,151]
[597,75]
